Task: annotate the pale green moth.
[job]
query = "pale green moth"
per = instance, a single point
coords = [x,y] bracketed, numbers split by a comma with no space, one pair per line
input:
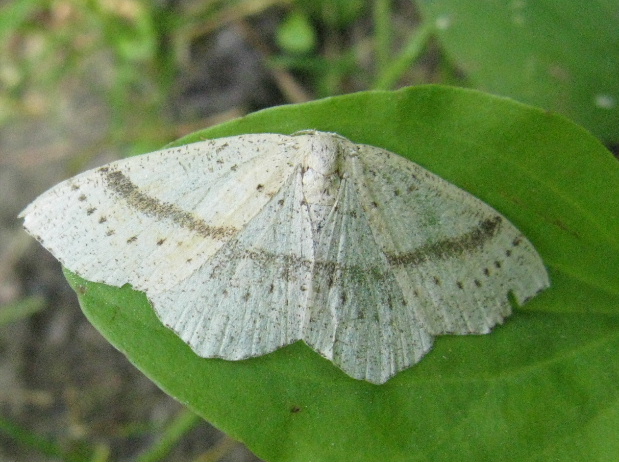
[249,243]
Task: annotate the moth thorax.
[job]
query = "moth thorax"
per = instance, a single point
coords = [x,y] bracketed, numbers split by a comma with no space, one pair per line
[323,154]
[321,172]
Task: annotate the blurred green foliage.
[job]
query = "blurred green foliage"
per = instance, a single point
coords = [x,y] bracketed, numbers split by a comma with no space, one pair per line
[296,34]
[131,52]
[48,43]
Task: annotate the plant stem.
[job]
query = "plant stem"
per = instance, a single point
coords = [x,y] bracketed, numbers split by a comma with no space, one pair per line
[389,77]
[178,428]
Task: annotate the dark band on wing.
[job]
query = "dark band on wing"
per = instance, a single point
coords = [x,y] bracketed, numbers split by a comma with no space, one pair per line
[124,187]
[442,250]
[451,247]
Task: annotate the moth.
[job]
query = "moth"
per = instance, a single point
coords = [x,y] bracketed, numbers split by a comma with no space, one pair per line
[248,243]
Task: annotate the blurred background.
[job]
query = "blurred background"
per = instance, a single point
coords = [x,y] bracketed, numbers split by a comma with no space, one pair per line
[85,82]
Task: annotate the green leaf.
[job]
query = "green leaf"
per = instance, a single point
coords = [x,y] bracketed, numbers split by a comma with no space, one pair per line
[555,54]
[296,34]
[541,387]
